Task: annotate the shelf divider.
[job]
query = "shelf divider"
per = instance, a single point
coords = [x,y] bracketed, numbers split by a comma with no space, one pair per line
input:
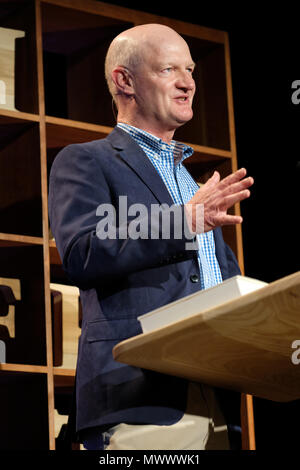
[44,187]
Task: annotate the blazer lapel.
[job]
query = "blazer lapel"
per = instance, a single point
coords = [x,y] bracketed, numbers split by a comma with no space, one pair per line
[134,156]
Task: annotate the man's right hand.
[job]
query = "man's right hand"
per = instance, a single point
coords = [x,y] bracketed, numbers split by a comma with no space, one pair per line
[217,196]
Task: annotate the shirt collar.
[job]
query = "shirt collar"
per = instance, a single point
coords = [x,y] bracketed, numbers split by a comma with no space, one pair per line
[179,150]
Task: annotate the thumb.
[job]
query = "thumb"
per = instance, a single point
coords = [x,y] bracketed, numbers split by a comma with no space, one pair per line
[216,176]
[214,179]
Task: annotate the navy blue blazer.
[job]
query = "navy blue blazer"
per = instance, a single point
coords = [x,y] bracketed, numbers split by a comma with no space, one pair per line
[119,279]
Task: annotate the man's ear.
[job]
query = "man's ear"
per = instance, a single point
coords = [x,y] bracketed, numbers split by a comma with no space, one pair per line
[123,81]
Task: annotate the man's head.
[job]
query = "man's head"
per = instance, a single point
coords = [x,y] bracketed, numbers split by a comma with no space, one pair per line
[149,73]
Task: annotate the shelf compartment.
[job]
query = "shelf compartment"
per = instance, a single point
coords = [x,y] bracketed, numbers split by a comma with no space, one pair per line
[62,132]
[63,396]
[18,68]
[23,407]
[74,49]
[22,322]
[70,325]
[20,175]
[57,274]
[205,160]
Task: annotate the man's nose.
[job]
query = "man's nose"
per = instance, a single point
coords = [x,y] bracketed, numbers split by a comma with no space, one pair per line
[185,81]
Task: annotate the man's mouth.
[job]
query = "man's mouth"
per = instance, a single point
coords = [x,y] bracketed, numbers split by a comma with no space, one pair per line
[182,98]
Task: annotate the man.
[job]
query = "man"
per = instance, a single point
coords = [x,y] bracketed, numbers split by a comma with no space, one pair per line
[149,73]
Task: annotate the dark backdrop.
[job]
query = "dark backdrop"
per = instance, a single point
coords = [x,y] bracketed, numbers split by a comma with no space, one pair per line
[265,62]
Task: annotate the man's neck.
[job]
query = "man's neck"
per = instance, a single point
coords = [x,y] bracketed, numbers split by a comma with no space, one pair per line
[164,135]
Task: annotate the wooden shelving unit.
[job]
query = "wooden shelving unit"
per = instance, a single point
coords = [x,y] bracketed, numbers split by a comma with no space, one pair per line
[61,98]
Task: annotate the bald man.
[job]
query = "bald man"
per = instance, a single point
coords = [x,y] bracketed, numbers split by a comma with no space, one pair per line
[125,265]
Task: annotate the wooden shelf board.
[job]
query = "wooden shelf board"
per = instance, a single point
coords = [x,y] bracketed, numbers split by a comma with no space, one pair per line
[61,132]
[23,368]
[7,116]
[9,239]
[207,154]
[138,17]
[63,372]
[211,151]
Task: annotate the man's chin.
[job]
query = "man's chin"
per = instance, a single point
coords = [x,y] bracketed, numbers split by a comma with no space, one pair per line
[183,119]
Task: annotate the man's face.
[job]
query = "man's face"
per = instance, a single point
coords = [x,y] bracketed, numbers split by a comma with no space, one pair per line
[164,86]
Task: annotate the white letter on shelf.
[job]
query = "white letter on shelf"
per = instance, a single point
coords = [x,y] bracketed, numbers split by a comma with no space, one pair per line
[2,352]
[2,92]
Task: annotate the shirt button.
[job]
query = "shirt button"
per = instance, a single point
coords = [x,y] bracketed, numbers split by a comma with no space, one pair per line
[163,147]
[194,278]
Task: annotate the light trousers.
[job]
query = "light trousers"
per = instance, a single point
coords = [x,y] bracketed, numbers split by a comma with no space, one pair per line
[202,427]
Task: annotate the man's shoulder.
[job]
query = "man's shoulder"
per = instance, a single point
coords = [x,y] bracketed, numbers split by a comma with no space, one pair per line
[75,153]
[88,147]
[116,139]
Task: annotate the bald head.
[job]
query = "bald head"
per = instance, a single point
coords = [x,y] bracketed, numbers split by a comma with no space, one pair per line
[149,70]
[129,49]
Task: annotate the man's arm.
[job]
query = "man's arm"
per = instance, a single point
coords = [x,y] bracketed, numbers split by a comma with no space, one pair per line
[77,187]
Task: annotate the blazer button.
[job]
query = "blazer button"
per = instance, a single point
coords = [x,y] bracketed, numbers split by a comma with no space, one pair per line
[194,278]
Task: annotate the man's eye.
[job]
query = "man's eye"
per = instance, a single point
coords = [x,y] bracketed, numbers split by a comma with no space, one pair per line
[167,69]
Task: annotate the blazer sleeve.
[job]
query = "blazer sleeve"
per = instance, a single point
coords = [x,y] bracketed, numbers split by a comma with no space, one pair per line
[226,258]
[77,186]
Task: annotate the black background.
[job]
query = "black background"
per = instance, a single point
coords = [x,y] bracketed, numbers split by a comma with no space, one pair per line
[265,61]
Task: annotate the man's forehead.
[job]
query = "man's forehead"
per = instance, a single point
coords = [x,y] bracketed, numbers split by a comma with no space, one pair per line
[164,52]
[166,46]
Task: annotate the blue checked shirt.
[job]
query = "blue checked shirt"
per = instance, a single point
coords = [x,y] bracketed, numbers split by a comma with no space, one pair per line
[167,160]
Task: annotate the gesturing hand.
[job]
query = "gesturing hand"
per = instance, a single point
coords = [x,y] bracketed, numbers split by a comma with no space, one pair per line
[217,196]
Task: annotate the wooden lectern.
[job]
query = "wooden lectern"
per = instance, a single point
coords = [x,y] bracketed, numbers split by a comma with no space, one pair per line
[247,344]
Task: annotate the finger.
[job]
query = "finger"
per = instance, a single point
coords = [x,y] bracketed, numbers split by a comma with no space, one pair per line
[237,187]
[213,180]
[230,220]
[234,177]
[216,176]
[234,198]
[224,219]
[206,189]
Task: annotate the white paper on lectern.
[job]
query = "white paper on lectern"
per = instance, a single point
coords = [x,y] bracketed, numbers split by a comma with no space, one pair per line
[202,300]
